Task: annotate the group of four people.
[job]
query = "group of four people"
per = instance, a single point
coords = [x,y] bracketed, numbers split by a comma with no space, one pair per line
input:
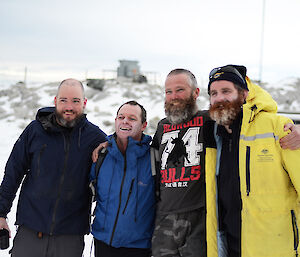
[219,183]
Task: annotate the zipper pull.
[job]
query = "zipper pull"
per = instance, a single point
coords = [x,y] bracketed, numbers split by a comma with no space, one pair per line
[129,194]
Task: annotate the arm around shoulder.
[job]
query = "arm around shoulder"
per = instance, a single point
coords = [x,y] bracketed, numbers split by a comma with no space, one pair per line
[292,140]
[290,157]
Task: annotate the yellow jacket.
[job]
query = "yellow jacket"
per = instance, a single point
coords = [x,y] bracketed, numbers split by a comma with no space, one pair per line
[269,183]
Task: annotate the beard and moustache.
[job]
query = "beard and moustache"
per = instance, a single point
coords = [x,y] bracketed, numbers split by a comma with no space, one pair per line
[180,110]
[65,123]
[225,112]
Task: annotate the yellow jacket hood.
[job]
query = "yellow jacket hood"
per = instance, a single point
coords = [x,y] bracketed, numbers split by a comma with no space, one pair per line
[260,98]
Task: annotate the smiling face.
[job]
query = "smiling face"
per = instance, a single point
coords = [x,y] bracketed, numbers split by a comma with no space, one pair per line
[180,98]
[128,122]
[177,87]
[225,101]
[69,103]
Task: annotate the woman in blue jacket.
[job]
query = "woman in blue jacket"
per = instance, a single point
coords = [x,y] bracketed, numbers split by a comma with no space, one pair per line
[124,215]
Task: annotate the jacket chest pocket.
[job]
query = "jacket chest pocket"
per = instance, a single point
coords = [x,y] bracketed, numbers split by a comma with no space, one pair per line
[261,170]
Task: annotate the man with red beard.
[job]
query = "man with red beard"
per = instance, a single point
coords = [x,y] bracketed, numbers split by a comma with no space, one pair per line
[257,182]
[180,228]
[53,158]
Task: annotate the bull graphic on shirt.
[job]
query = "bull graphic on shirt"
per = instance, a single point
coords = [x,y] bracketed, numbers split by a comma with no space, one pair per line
[178,151]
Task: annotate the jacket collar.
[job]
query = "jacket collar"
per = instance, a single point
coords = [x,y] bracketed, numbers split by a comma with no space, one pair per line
[46,116]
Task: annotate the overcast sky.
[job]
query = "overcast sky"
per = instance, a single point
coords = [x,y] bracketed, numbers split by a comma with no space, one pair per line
[71,38]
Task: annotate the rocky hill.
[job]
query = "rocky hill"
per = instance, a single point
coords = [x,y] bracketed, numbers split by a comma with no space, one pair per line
[19,102]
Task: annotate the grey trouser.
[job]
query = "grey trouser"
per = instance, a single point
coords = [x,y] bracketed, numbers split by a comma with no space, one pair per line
[27,243]
[180,234]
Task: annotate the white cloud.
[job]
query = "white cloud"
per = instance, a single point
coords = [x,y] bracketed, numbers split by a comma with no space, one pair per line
[162,35]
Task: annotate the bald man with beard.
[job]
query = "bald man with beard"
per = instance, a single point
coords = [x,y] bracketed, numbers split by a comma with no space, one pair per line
[180,227]
[52,159]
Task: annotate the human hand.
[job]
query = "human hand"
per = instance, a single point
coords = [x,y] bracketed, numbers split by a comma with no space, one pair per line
[292,140]
[96,151]
[3,224]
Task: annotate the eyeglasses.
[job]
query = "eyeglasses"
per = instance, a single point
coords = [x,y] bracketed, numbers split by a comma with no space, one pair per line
[227,68]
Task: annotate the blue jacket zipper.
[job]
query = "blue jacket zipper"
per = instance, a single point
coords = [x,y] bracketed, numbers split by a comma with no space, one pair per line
[120,201]
[129,194]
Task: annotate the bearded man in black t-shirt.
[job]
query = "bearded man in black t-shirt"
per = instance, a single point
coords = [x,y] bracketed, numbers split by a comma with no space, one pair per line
[180,222]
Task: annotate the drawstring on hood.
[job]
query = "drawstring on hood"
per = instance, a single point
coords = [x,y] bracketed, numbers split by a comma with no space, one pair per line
[252,115]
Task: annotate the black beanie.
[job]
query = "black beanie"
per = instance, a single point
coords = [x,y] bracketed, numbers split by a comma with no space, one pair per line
[234,73]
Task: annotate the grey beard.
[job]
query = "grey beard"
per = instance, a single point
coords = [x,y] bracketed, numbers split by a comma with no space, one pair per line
[67,124]
[181,115]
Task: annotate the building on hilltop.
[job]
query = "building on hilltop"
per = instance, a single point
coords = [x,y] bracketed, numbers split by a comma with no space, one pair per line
[130,69]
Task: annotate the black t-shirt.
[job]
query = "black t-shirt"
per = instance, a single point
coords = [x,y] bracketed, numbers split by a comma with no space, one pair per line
[182,167]
[229,196]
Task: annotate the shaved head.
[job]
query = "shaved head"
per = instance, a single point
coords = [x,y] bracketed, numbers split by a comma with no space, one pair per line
[70,82]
